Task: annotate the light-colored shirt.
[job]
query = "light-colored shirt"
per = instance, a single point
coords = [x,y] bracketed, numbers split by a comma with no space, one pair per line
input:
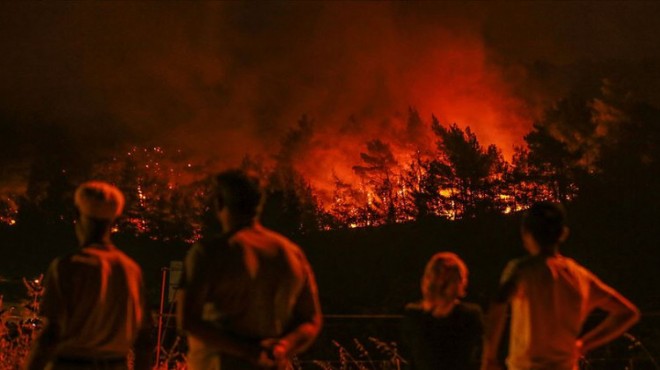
[95,297]
[255,283]
[552,296]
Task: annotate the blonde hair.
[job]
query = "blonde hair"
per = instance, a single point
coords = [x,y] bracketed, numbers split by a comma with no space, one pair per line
[443,270]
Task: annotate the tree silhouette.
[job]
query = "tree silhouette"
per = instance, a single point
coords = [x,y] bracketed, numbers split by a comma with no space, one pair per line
[291,205]
[470,175]
[422,187]
[550,163]
[379,178]
[345,210]
[629,165]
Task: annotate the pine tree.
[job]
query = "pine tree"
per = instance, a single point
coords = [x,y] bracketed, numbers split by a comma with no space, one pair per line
[470,175]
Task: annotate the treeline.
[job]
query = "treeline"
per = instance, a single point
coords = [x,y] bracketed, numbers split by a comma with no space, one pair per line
[604,149]
[604,146]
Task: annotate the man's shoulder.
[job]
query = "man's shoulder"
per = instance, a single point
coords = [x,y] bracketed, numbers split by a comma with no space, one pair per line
[575,266]
[89,258]
[75,264]
[274,235]
[214,252]
[568,261]
[79,258]
[278,239]
[534,265]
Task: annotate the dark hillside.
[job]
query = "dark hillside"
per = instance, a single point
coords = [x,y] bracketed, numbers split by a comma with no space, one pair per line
[377,270]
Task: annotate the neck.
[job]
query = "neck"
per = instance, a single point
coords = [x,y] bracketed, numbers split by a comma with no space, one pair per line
[89,240]
[232,224]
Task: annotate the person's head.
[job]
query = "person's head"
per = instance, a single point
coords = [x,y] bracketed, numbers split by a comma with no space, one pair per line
[544,227]
[445,278]
[238,197]
[98,204]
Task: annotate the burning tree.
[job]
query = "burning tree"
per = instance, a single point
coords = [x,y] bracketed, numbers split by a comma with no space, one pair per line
[460,178]
[419,172]
[346,206]
[422,185]
[470,176]
[380,184]
[165,195]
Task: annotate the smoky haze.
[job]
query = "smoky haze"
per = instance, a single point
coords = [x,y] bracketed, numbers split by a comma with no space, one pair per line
[221,80]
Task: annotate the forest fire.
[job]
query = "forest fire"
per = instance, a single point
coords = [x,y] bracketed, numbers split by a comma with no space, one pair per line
[364,82]
[384,188]
[427,126]
[418,169]
[166,193]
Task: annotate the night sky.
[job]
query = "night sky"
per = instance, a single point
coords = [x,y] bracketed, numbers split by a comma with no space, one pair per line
[220,80]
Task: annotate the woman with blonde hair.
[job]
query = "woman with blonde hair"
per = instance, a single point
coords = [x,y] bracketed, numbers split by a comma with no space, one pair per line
[440,331]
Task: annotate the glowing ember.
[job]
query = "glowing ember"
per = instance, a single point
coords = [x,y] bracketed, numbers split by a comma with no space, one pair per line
[8,211]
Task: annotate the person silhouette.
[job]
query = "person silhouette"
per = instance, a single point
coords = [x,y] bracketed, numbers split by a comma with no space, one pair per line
[440,331]
[247,298]
[94,299]
[550,297]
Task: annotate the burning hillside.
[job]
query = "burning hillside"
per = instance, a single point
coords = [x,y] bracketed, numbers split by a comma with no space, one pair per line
[346,111]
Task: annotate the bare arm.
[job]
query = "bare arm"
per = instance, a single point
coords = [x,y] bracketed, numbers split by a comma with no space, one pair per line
[496,318]
[622,314]
[191,298]
[309,320]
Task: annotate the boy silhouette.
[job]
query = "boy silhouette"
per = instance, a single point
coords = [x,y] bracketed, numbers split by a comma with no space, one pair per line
[550,297]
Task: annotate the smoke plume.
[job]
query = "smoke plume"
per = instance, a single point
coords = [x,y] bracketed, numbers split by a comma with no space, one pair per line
[221,80]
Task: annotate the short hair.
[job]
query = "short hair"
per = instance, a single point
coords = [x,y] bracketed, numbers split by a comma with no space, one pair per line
[546,222]
[239,192]
[99,200]
[442,269]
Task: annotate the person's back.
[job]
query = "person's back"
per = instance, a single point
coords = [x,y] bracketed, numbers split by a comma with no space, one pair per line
[554,296]
[254,278]
[94,299]
[440,331]
[449,342]
[247,299]
[550,298]
[95,295]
